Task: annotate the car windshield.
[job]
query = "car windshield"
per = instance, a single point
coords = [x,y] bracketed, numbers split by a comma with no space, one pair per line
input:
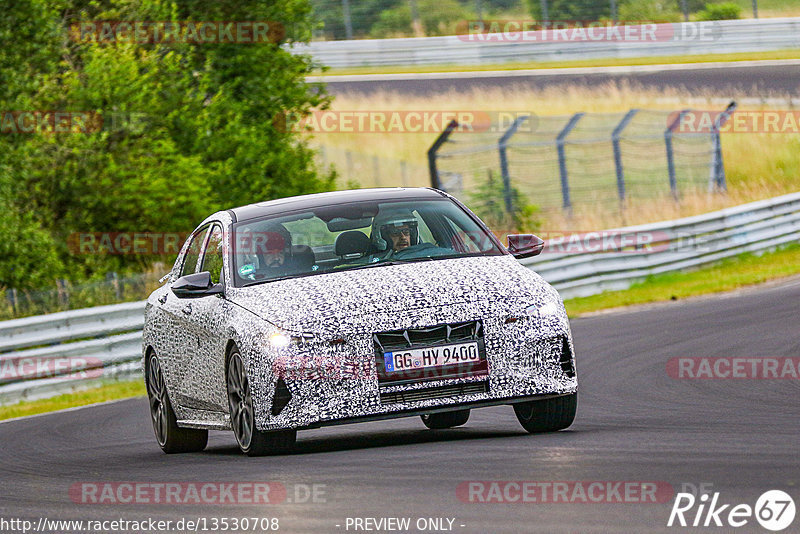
[357,235]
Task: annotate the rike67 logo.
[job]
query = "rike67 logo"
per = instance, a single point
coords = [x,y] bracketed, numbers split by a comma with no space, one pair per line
[774,510]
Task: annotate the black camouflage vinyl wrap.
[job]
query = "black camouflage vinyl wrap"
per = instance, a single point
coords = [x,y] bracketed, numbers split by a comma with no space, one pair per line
[330,365]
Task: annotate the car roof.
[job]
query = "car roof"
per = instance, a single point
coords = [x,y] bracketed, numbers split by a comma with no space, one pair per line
[318,200]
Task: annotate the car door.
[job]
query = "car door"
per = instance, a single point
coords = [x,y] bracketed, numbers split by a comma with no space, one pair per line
[207,319]
[181,341]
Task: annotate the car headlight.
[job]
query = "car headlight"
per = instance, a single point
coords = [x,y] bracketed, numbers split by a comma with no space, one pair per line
[549,309]
[279,339]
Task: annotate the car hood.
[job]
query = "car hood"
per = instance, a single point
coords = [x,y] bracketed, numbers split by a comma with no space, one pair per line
[312,303]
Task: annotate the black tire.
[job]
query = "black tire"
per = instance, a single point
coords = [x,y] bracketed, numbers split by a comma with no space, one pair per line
[170,437]
[252,441]
[438,421]
[547,415]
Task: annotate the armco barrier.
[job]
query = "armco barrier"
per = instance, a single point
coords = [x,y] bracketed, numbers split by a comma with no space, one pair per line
[749,35]
[55,353]
[110,336]
[678,244]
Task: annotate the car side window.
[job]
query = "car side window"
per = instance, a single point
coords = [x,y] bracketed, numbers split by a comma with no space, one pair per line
[212,255]
[192,255]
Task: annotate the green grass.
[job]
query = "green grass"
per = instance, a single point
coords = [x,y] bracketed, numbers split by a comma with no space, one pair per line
[111,391]
[729,274]
[602,62]
[726,275]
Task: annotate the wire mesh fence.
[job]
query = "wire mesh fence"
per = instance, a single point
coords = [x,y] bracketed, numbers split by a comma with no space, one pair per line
[582,163]
[67,296]
[357,170]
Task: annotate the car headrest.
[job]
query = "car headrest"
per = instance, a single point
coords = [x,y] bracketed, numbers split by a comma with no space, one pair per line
[352,242]
[303,257]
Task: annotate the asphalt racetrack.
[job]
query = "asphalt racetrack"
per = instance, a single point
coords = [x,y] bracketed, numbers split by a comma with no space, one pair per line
[635,423]
[730,80]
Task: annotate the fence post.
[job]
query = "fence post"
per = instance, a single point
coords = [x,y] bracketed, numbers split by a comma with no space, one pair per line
[673,182]
[562,158]
[113,277]
[348,25]
[502,146]
[12,298]
[615,136]
[435,182]
[717,175]
[63,293]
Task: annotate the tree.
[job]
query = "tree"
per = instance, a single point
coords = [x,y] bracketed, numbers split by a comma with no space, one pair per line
[186,128]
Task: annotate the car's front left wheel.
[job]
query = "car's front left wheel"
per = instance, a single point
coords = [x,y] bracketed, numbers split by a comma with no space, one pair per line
[252,441]
[171,438]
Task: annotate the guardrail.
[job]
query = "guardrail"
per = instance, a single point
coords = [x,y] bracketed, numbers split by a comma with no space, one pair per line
[105,342]
[60,352]
[670,39]
[586,264]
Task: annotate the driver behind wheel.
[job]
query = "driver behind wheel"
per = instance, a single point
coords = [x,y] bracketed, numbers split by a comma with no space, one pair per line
[393,231]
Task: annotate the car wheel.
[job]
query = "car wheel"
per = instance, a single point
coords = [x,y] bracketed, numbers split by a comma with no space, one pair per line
[252,441]
[547,415]
[171,438]
[437,421]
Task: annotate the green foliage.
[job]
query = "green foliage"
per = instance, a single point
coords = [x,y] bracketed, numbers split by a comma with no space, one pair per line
[363,15]
[648,10]
[488,201]
[392,22]
[27,252]
[692,5]
[438,17]
[723,11]
[571,10]
[187,129]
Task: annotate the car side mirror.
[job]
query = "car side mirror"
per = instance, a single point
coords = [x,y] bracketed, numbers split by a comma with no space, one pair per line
[196,285]
[525,245]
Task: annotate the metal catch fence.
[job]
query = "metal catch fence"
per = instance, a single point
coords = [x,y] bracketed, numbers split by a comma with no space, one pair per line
[579,163]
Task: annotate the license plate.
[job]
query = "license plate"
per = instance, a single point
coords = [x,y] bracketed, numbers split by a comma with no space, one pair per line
[431,357]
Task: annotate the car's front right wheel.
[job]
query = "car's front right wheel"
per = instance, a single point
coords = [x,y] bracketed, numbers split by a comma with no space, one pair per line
[547,415]
[252,441]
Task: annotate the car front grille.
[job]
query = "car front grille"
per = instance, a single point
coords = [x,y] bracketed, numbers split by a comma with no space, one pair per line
[440,392]
[425,337]
[431,336]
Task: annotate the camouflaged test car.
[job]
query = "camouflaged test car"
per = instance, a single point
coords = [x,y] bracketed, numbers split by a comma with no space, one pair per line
[346,307]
